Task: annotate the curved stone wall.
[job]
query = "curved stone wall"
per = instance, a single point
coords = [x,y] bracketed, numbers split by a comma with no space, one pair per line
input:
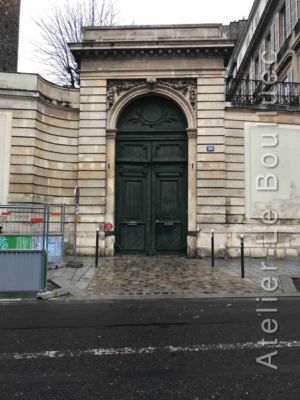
[44,141]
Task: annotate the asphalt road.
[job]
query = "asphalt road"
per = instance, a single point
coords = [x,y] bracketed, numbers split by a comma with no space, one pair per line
[175,349]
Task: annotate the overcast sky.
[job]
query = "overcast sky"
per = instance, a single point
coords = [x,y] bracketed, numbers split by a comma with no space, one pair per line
[137,11]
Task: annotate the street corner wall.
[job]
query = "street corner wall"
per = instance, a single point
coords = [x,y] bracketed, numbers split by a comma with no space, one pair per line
[262,145]
[44,142]
[211,185]
[92,164]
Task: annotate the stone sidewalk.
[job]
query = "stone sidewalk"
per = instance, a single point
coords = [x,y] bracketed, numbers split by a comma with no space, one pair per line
[171,277]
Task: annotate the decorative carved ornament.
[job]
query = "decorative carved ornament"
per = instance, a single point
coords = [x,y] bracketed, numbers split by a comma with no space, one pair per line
[186,86]
[148,114]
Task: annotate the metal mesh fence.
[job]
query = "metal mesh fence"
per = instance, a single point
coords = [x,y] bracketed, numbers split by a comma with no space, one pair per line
[23,227]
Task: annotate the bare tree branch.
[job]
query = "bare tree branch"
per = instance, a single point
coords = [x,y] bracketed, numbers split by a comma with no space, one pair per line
[64,25]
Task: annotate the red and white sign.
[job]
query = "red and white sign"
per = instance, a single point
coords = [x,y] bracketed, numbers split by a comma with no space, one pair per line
[108,227]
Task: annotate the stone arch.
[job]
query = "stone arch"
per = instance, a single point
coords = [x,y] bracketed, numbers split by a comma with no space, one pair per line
[111,133]
[159,90]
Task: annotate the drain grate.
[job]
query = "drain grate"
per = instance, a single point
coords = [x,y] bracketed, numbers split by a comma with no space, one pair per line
[51,285]
[73,264]
[296,282]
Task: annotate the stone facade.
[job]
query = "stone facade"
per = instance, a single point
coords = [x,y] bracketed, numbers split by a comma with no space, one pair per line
[140,62]
[9,34]
[62,138]
[43,141]
[263,85]
[270,40]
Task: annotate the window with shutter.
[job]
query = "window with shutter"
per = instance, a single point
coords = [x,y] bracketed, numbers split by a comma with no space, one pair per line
[248,41]
[276,34]
[257,19]
[252,70]
[288,18]
[282,26]
[268,55]
[294,13]
[257,72]
[272,37]
[290,75]
[286,89]
[262,51]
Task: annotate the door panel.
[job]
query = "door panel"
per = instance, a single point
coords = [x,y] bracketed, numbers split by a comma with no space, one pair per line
[168,238]
[169,151]
[170,207]
[133,151]
[132,237]
[133,207]
[151,177]
[151,205]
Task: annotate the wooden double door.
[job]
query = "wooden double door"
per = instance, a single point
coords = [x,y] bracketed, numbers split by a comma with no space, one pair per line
[151,194]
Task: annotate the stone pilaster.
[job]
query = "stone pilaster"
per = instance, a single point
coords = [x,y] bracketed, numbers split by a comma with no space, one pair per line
[92,162]
[211,196]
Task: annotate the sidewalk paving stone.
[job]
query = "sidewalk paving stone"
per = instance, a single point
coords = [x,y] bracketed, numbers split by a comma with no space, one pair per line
[175,276]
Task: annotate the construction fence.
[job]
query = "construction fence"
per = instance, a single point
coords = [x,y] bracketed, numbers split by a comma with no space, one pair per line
[30,237]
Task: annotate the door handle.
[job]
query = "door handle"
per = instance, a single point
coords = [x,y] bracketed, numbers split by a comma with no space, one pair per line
[132,223]
[166,223]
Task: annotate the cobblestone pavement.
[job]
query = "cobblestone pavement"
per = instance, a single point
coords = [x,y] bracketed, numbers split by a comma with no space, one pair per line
[172,276]
[164,275]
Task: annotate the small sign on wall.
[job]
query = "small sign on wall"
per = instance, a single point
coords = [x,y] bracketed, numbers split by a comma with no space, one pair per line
[210,149]
[108,227]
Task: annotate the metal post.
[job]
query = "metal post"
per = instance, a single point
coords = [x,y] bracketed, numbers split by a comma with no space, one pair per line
[44,226]
[75,234]
[63,221]
[47,227]
[242,257]
[212,248]
[97,248]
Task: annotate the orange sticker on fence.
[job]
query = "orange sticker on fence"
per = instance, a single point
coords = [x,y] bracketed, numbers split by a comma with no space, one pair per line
[37,219]
[55,214]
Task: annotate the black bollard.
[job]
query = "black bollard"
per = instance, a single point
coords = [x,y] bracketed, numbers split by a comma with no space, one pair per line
[97,248]
[212,248]
[242,257]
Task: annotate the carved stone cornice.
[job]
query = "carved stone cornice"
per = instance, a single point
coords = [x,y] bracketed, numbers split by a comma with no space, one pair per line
[191,133]
[91,51]
[186,86]
[115,87]
[111,133]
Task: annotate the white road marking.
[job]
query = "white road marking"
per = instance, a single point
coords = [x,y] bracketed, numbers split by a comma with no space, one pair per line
[114,351]
[9,300]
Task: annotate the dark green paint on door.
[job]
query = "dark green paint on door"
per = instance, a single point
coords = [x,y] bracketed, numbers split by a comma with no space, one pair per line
[151,181]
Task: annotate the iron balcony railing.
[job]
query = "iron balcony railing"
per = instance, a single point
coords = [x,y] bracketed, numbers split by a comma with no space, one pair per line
[253,92]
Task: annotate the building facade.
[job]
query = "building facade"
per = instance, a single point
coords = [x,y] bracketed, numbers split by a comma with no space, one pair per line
[9,34]
[269,48]
[162,142]
[263,94]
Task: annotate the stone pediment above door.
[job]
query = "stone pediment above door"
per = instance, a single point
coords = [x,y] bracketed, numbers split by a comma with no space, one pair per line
[187,87]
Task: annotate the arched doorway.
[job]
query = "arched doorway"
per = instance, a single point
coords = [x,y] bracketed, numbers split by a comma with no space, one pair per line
[151,177]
